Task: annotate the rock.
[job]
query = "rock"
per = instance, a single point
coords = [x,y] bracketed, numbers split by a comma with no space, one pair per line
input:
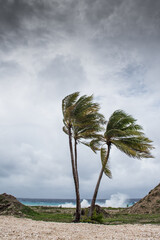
[149,204]
[9,205]
[100,210]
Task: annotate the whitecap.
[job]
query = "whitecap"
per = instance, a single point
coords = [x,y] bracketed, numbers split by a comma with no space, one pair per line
[117,200]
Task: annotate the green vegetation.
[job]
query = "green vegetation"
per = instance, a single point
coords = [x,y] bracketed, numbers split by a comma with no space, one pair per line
[126,218]
[96,218]
[124,133]
[28,211]
[82,122]
[115,216]
[52,214]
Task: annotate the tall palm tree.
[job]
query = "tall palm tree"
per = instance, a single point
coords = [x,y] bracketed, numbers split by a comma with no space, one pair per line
[82,122]
[122,132]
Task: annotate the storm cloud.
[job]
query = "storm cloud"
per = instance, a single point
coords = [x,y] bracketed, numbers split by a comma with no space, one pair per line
[49,49]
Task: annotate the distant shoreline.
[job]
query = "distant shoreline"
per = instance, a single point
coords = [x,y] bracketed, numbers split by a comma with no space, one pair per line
[71,203]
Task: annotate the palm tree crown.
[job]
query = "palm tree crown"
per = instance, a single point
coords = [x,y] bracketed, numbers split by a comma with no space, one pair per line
[82,117]
[122,132]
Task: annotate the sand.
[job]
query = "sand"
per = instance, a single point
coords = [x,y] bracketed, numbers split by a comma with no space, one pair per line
[21,228]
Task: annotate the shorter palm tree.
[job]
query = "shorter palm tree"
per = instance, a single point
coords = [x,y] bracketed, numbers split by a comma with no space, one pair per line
[122,132]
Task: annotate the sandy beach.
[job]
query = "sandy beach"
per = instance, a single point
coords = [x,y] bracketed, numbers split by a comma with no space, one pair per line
[21,228]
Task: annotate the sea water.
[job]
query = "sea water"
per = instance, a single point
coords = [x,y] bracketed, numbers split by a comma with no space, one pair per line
[116,200]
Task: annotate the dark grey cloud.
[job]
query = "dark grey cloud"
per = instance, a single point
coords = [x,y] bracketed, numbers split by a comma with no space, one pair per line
[105,23]
[12,31]
[50,48]
[131,26]
[24,21]
[95,12]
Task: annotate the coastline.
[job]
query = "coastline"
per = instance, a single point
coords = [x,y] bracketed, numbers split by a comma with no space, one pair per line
[12,228]
[116,200]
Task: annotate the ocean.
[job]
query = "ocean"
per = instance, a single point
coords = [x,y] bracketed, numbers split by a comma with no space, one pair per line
[114,201]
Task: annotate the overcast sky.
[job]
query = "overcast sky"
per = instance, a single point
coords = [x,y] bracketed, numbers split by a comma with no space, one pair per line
[52,48]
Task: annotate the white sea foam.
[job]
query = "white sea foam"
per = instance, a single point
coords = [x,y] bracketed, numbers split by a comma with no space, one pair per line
[85,203]
[116,200]
[67,205]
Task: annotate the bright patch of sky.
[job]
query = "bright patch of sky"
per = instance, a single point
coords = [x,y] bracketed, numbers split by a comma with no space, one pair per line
[135,77]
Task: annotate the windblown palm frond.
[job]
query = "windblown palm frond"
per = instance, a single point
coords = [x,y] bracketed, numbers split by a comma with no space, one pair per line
[82,116]
[65,130]
[119,119]
[68,104]
[95,144]
[136,147]
[123,132]
[69,101]
[126,135]
[105,164]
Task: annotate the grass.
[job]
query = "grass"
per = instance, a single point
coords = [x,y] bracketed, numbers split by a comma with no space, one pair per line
[52,214]
[126,218]
[116,216]
[29,212]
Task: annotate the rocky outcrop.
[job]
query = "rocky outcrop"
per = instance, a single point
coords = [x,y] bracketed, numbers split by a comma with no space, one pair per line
[149,204]
[9,205]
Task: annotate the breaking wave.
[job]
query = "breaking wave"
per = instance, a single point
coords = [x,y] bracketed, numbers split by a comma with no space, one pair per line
[116,200]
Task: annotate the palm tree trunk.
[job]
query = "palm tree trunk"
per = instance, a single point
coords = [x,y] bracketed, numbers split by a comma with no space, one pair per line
[75,155]
[78,204]
[97,185]
[95,194]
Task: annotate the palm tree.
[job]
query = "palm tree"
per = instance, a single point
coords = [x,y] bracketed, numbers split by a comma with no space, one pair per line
[122,132]
[82,121]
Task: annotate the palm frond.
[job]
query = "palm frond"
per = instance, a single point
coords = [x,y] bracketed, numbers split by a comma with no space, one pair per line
[114,118]
[82,105]
[84,143]
[121,133]
[95,145]
[69,101]
[119,119]
[65,130]
[134,147]
[132,127]
[126,135]
[105,164]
